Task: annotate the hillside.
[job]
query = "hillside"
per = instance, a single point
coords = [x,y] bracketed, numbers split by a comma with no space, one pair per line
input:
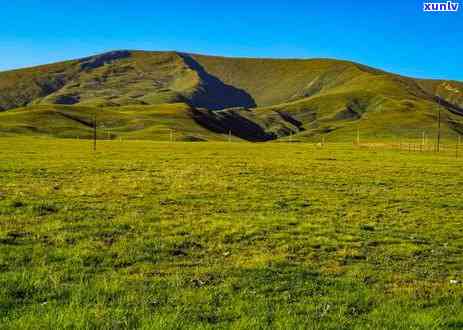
[138,94]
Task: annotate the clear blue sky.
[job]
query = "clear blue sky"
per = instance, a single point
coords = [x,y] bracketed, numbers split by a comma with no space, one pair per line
[391,34]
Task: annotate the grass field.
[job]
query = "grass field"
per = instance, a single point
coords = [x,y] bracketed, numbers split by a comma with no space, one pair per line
[228,235]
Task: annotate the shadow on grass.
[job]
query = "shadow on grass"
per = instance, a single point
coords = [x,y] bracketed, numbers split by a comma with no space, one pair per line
[215,94]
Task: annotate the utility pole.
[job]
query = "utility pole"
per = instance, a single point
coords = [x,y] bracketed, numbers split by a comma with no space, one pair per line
[94,132]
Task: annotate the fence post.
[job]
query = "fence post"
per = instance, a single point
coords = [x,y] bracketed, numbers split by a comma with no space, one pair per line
[438,129]
[422,141]
[458,145]
[94,132]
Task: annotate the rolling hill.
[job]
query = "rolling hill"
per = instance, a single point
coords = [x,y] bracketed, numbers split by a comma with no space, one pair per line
[148,95]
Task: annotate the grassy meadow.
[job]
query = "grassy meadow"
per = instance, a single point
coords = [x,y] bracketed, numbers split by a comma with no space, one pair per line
[158,235]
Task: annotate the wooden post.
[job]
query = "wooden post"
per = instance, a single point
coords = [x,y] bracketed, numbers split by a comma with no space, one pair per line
[438,129]
[358,136]
[457,147]
[171,135]
[94,132]
[229,136]
[423,141]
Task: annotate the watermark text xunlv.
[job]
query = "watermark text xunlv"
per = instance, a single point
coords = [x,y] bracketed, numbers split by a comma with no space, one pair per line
[441,6]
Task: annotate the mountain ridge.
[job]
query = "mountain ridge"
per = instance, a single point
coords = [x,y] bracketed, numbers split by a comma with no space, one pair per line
[270,98]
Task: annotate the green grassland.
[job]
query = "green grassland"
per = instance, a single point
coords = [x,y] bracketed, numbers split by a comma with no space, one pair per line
[304,121]
[127,122]
[145,233]
[152,235]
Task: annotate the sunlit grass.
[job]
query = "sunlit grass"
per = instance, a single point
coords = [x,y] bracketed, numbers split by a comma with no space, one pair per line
[228,235]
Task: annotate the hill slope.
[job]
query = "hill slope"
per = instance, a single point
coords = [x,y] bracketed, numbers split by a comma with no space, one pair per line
[254,99]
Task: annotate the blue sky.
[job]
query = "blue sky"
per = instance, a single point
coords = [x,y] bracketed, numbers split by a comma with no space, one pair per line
[393,35]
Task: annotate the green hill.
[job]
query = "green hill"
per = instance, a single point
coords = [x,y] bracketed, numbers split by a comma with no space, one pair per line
[147,95]
[126,122]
